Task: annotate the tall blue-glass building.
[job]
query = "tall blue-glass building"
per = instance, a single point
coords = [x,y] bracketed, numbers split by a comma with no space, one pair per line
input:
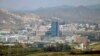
[54,30]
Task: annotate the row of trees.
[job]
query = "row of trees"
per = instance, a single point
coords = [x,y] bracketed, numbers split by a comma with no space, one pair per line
[57,48]
[14,50]
[18,50]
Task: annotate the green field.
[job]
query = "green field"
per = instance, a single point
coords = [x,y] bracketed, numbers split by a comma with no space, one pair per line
[19,50]
[60,54]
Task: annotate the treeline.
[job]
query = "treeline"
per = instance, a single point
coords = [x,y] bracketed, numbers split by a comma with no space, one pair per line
[57,48]
[14,51]
[18,50]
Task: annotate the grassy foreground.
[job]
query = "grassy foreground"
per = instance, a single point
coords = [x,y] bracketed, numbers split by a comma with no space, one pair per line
[60,54]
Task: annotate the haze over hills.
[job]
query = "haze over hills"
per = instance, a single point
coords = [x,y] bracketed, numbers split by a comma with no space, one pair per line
[9,19]
[65,13]
[95,7]
[80,13]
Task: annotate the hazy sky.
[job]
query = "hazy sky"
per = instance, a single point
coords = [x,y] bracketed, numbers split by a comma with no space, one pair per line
[35,4]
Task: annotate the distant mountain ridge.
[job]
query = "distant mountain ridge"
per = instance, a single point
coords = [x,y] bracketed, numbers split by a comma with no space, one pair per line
[64,13]
[9,19]
[95,7]
[73,14]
